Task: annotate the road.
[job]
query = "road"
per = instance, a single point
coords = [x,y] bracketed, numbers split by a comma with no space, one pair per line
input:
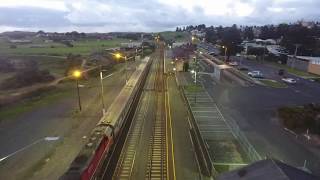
[254,108]
[55,119]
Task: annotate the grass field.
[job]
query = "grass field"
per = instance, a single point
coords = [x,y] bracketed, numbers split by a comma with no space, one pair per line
[273,83]
[83,47]
[177,36]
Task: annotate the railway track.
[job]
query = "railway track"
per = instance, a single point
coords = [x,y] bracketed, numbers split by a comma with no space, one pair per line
[157,157]
[126,162]
[145,151]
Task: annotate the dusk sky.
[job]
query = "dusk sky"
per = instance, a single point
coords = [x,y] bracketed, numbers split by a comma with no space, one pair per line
[148,15]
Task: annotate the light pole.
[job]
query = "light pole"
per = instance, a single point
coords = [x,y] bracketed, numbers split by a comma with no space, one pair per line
[225,52]
[102,92]
[77,74]
[30,145]
[195,82]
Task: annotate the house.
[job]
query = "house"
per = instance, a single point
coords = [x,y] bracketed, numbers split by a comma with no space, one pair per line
[198,34]
[305,63]
[266,170]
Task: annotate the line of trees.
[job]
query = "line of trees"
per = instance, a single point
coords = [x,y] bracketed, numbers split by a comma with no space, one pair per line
[289,36]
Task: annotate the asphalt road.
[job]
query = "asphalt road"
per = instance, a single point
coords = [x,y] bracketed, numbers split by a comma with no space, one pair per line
[254,108]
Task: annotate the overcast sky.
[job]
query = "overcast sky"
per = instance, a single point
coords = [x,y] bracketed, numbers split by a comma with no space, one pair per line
[148,15]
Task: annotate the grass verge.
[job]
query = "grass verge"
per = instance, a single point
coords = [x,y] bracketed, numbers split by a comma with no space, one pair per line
[193,88]
[273,83]
[296,72]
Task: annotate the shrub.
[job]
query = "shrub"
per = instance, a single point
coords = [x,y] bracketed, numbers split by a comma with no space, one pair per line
[27,77]
[301,118]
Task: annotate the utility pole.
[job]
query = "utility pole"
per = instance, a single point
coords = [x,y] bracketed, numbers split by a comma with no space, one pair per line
[79,101]
[102,97]
[264,52]
[295,55]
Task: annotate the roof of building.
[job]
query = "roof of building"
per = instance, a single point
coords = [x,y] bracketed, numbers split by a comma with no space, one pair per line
[307,58]
[266,170]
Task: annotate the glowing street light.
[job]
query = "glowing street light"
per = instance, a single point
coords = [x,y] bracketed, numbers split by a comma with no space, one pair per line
[77,74]
[118,55]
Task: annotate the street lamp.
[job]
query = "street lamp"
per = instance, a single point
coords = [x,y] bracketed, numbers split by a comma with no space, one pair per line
[195,82]
[225,52]
[53,138]
[77,74]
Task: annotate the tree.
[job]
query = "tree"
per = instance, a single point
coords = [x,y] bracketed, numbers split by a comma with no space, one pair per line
[201,27]
[257,51]
[231,38]
[248,33]
[211,36]
[303,36]
[268,32]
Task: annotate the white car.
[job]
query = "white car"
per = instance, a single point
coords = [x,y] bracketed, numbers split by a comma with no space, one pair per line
[289,80]
[255,74]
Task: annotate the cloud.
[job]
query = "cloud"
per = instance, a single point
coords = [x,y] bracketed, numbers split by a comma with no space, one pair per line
[149,15]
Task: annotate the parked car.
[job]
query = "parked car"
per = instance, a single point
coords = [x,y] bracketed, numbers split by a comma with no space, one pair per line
[212,53]
[289,80]
[243,68]
[233,63]
[255,74]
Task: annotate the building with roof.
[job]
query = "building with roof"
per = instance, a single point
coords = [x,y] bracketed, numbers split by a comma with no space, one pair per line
[266,170]
[305,63]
